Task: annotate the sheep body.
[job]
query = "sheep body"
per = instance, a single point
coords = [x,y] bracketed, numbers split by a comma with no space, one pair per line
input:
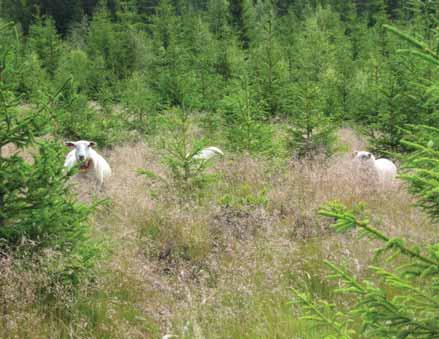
[384,168]
[89,160]
[208,153]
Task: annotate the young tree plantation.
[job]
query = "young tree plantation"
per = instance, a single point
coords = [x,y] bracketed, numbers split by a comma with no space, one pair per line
[282,233]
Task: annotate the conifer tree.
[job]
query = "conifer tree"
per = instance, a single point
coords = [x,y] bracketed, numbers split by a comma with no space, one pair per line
[44,40]
[376,12]
[37,208]
[186,173]
[344,76]
[141,104]
[201,48]
[388,98]
[218,17]
[267,59]
[423,17]
[241,16]
[401,301]
[113,43]
[289,28]
[244,117]
[170,73]
[312,127]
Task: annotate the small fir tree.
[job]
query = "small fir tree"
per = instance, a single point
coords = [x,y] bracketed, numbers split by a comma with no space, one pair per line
[312,126]
[244,118]
[186,174]
[37,209]
[44,40]
[401,301]
[266,58]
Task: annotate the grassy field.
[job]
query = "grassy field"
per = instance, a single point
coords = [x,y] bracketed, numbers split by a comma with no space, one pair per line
[220,264]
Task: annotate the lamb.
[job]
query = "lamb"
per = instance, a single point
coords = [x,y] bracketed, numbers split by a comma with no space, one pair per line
[207,153]
[383,168]
[88,159]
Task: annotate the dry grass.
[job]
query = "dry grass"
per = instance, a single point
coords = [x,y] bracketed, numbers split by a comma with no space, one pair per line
[221,265]
[349,138]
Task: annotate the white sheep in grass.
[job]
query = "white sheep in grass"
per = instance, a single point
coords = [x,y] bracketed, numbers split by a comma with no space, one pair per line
[383,168]
[88,160]
[207,153]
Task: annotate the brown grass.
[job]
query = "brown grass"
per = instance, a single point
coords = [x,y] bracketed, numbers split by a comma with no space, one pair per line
[221,265]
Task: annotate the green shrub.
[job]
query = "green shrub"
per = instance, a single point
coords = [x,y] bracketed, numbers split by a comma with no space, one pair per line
[186,174]
[243,196]
[37,209]
[401,300]
[44,40]
[140,104]
[77,119]
[77,65]
[244,117]
[311,132]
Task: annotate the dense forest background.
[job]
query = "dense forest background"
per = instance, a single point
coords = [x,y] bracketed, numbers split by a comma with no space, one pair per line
[237,247]
[314,64]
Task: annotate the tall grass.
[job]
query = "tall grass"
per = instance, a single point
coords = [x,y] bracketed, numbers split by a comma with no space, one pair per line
[219,266]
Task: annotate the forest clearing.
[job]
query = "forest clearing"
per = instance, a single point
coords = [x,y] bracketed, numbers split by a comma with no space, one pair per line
[252,189]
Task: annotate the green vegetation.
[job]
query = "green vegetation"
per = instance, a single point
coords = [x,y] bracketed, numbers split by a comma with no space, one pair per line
[404,302]
[41,221]
[194,248]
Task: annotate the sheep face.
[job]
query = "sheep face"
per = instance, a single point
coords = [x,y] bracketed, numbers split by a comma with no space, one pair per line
[82,149]
[363,156]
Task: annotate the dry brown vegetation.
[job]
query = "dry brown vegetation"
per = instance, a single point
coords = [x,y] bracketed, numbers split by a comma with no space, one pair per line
[221,264]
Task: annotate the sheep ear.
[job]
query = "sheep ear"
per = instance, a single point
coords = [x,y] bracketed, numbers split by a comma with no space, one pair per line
[70,144]
[92,144]
[354,154]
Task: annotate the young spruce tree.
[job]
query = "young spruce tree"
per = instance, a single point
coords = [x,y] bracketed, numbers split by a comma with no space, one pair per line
[401,301]
[37,209]
[312,128]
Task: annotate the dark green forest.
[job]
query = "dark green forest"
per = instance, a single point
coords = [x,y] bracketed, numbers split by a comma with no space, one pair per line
[235,248]
[314,64]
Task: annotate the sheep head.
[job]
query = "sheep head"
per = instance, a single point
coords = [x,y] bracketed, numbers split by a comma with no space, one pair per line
[82,149]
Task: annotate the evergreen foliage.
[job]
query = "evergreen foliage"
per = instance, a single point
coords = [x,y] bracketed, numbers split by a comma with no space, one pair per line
[37,209]
[407,305]
[267,61]
[244,117]
[269,80]
[402,300]
[422,167]
[333,57]
[140,104]
[308,97]
[45,42]
[186,174]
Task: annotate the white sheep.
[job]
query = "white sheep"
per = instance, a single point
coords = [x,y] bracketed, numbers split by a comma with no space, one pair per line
[207,153]
[383,168]
[88,160]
